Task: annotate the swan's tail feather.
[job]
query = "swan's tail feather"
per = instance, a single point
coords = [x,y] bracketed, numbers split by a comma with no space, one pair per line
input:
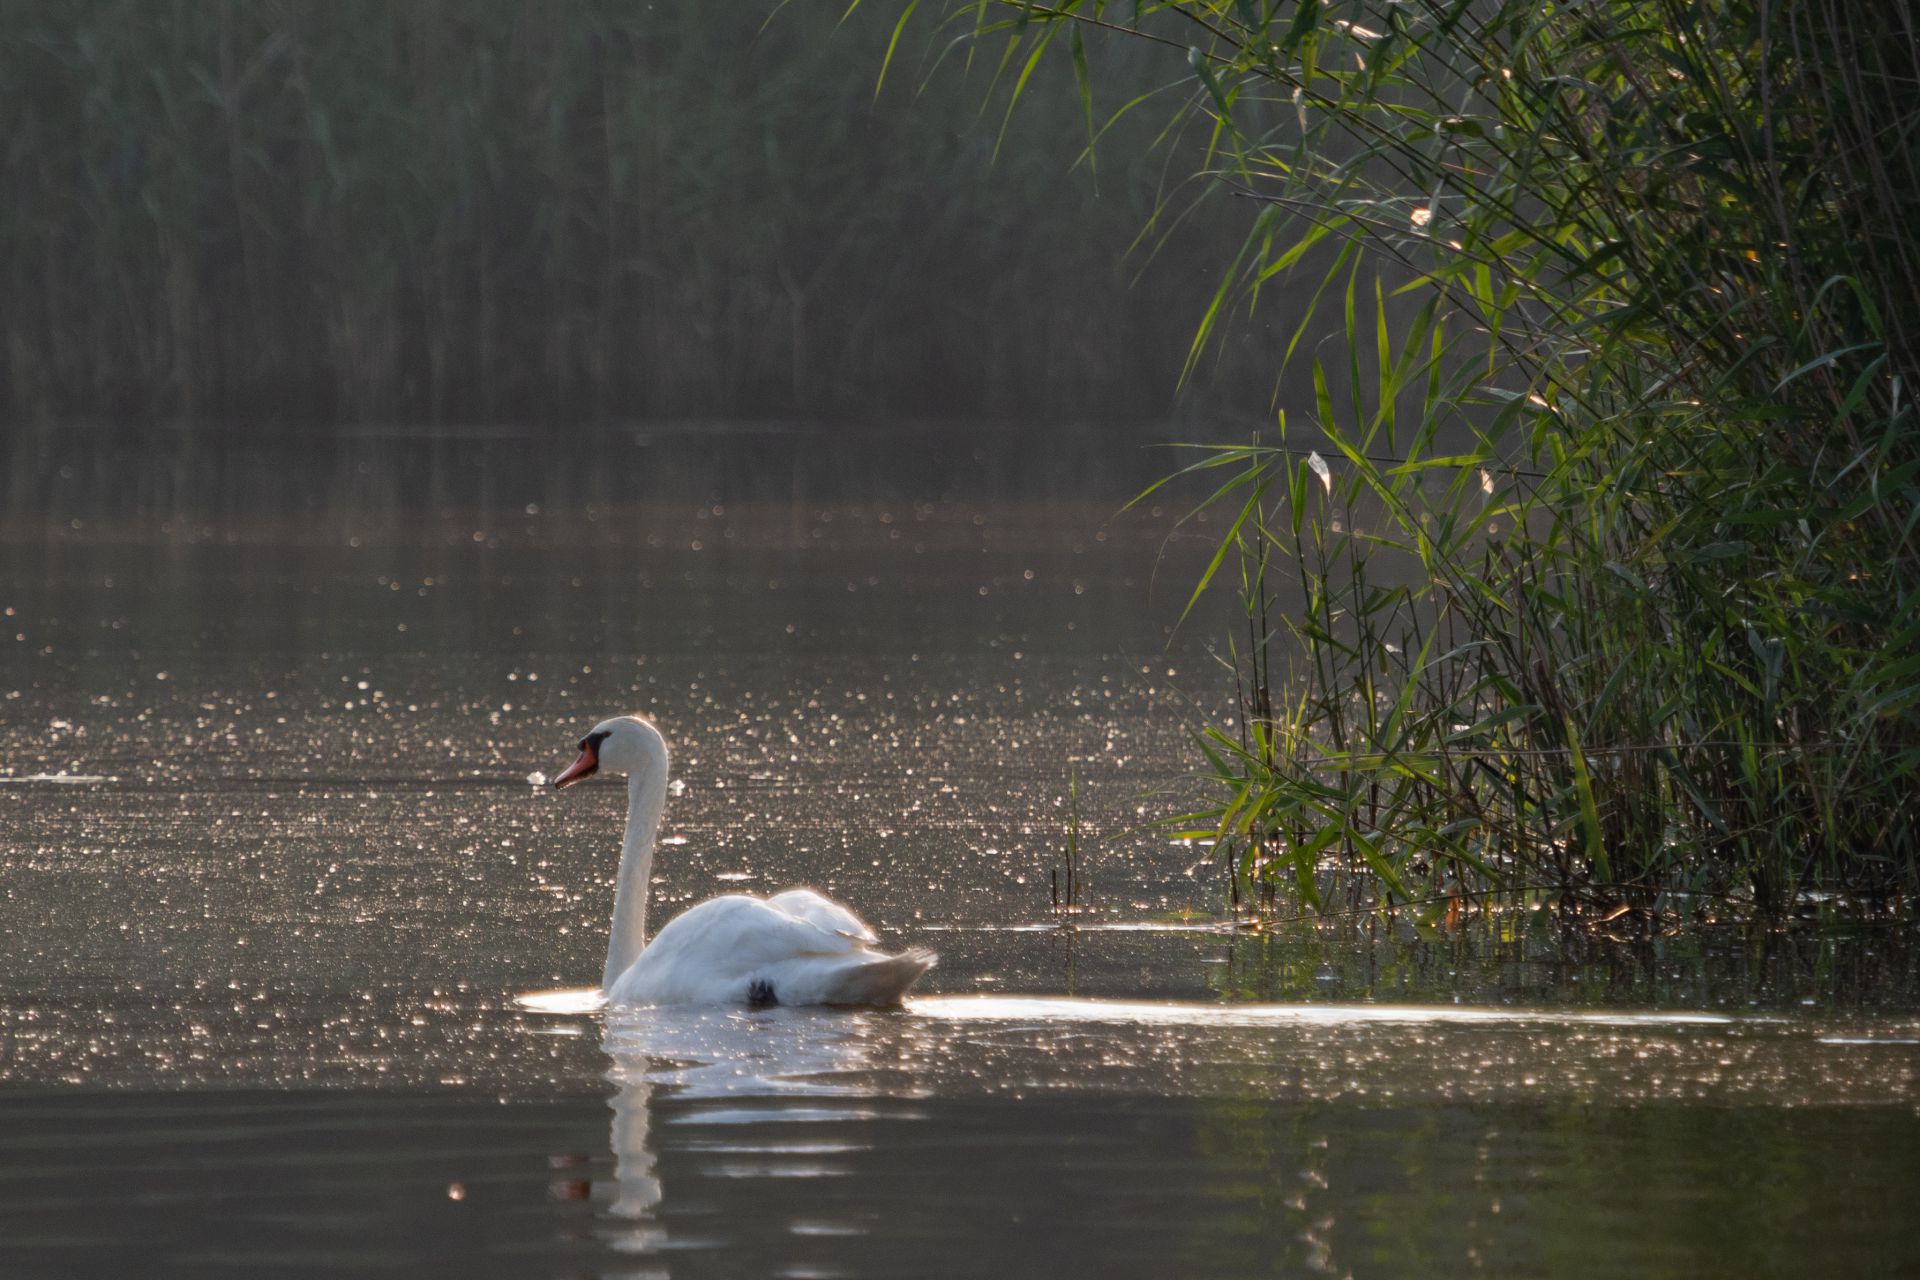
[882,980]
[859,977]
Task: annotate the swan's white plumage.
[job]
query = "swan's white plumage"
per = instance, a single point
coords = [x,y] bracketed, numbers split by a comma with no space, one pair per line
[740,949]
[819,910]
[797,947]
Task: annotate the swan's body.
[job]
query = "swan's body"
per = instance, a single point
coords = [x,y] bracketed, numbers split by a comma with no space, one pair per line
[794,948]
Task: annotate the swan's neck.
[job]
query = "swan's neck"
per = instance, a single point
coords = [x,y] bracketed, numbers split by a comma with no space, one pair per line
[646,797]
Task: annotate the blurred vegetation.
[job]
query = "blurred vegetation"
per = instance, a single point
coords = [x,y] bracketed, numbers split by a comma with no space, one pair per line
[1604,508]
[317,212]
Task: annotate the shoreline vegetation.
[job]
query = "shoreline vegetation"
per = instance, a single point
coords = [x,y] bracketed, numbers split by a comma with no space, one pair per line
[318,213]
[1551,369]
[1602,495]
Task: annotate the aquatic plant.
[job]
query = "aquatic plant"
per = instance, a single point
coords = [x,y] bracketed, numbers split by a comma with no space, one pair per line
[1578,565]
[1066,905]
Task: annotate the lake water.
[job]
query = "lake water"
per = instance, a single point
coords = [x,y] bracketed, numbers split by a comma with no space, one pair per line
[292,953]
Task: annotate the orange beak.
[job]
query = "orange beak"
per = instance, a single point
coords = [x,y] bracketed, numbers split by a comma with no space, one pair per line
[589,762]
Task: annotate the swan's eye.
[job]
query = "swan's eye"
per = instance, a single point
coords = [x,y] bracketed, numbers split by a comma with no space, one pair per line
[593,740]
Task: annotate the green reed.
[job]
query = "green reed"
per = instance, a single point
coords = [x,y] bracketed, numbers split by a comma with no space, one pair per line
[1065,890]
[1578,565]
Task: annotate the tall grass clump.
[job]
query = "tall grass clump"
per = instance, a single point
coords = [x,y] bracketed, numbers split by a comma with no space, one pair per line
[1579,564]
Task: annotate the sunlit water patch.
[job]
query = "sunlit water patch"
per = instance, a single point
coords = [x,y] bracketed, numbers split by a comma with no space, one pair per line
[294,956]
[54,779]
[1168,1013]
[999,1045]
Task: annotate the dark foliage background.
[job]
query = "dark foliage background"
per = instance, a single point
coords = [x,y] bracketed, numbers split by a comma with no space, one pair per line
[317,213]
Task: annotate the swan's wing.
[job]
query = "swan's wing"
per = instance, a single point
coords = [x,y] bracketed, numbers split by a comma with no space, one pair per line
[817,909]
[709,951]
[740,932]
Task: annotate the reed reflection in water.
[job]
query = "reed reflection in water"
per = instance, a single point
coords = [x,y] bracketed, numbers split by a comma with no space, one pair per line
[968,1135]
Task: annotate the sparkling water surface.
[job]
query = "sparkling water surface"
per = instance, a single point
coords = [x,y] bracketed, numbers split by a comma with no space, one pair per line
[293,952]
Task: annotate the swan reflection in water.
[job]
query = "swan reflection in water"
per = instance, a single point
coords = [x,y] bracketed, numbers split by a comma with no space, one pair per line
[736,1070]
[734,1082]
[781,1063]
[636,1185]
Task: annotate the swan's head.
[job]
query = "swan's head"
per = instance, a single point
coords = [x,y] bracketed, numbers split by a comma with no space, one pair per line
[624,744]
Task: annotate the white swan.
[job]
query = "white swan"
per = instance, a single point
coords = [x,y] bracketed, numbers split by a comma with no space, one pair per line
[793,948]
